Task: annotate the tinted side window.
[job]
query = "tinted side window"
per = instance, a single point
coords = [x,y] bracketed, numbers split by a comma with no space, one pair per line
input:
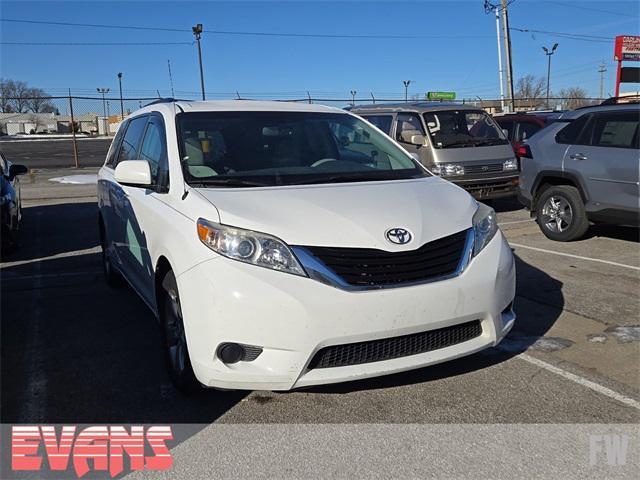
[508,126]
[615,129]
[154,151]
[526,130]
[407,125]
[383,122]
[571,134]
[131,140]
[115,145]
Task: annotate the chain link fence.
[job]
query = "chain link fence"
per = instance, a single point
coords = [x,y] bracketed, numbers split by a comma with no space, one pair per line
[75,120]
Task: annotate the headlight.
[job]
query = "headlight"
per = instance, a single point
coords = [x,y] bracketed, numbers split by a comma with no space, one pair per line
[485,227]
[448,170]
[249,247]
[510,165]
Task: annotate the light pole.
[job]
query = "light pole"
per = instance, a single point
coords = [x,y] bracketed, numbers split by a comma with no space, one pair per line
[103,91]
[353,97]
[549,54]
[406,89]
[121,102]
[197,31]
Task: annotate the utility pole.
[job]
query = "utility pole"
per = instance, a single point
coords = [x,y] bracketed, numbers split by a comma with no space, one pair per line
[601,71]
[549,53]
[406,89]
[104,108]
[507,53]
[489,7]
[197,31]
[353,97]
[173,95]
[121,102]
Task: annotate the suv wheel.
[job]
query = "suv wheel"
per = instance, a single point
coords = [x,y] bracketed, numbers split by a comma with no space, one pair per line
[561,213]
[176,351]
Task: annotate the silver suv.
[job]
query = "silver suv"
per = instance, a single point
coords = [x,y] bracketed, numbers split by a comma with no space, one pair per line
[583,168]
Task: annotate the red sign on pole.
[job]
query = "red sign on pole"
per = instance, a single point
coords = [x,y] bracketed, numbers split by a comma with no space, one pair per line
[627,48]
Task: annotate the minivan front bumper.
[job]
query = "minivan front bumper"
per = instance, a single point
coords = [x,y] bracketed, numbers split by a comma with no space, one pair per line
[490,188]
[291,318]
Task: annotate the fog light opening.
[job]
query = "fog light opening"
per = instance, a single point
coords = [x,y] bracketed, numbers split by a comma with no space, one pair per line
[230,352]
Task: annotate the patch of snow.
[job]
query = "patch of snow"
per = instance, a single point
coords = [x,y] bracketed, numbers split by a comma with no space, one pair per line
[81,179]
[597,338]
[625,334]
[515,343]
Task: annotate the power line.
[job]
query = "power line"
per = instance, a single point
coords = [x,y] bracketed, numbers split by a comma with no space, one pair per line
[93,44]
[590,9]
[245,33]
[570,36]
[95,25]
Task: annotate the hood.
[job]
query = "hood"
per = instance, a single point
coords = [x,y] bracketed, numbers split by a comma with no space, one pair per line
[348,214]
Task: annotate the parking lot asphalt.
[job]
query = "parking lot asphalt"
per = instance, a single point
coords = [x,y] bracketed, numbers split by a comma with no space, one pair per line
[75,350]
[57,153]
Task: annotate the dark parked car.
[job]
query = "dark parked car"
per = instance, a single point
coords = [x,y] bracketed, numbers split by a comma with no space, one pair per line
[519,126]
[10,201]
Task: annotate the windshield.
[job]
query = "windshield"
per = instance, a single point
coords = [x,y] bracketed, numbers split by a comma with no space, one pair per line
[246,149]
[463,128]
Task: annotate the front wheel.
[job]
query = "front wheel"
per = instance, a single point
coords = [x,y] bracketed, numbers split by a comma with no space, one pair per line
[561,213]
[176,351]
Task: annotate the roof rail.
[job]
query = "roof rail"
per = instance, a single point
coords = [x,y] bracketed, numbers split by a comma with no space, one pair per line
[166,100]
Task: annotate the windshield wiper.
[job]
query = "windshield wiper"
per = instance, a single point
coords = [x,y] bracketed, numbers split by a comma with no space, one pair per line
[227,182]
[491,141]
[342,178]
[460,143]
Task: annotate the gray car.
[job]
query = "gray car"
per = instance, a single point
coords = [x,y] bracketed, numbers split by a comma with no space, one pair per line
[583,168]
[461,143]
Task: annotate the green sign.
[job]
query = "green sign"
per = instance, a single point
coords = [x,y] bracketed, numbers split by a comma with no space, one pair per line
[441,95]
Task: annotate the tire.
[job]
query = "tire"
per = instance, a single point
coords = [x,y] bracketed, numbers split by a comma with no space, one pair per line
[175,341]
[561,214]
[111,275]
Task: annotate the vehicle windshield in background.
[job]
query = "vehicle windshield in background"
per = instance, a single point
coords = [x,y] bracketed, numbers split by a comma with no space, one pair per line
[463,128]
[247,149]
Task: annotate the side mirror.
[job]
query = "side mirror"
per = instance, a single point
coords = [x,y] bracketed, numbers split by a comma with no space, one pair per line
[133,173]
[15,170]
[412,138]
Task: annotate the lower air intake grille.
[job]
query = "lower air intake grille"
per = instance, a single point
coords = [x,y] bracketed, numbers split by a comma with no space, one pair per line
[394,347]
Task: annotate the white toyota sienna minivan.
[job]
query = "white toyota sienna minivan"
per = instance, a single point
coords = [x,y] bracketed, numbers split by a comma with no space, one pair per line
[284,245]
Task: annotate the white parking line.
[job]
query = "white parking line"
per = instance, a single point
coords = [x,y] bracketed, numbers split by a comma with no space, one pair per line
[74,253]
[579,257]
[514,222]
[596,387]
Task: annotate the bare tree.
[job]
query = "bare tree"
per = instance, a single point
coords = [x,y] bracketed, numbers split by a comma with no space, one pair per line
[7,91]
[573,97]
[39,102]
[21,92]
[531,87]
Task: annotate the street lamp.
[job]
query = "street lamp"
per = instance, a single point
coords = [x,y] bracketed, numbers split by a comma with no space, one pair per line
[121,103]
[197,31]
[353,97]
[548,54]
[406,89]
[104,91]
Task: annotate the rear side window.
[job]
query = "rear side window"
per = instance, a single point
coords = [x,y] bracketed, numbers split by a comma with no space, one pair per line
[131,140]
[115,145]
[615,129]
[383,122]
[573,134]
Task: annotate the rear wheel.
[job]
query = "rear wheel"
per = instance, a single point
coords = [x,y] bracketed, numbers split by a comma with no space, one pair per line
[176,350]
[561,213]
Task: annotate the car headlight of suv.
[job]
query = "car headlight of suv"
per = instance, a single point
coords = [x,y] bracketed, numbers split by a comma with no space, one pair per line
[448,170]
[510,165]
[249,247]
[485,227]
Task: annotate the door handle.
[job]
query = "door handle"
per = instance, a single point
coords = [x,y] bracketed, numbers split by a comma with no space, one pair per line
[577,156]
